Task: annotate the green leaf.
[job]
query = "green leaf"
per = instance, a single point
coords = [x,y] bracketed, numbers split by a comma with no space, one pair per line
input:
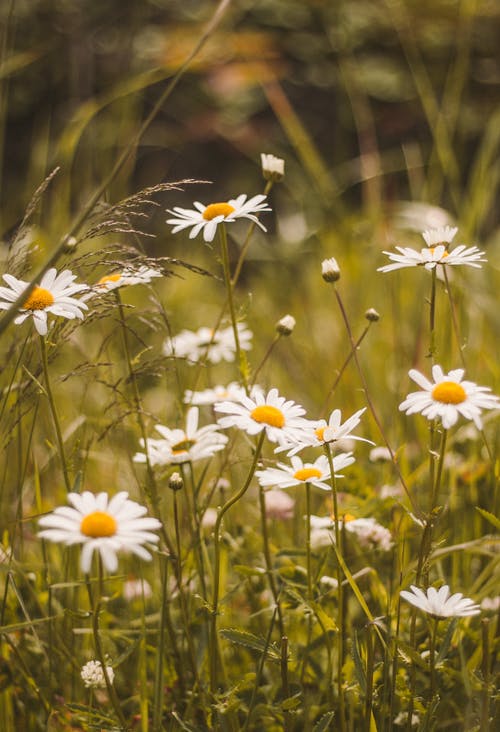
[489,517]
[358,664]
[249,640]
[325,722]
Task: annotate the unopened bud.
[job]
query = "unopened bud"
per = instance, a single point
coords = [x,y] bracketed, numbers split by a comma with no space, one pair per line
[70,244]
[330,270]
[372,315]
[175,482]
[285,325]
[273,168]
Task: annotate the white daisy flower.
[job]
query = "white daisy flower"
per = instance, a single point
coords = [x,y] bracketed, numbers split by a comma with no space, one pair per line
[279,505]
[298,473]
[143,275]
[439,235]
[101,524]
[205,343]
[368,532]
[273,168]
[322,432]
[93,676]
[439,604]
[53,295]
[430,257]
[207,218]
[137,589]
[447,397]
[281,419]
[218,393]
[182,446]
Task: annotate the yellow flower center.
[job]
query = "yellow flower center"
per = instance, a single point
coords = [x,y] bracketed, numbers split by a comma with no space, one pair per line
[307,473]
[346,517]
[183,446]
[39,299]
[266,414]
[319,432]
[449,392]
[110,278]
[217,209]
[98,524]
[443,255]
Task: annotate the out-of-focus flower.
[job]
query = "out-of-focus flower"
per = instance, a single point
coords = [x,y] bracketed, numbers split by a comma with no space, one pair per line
[207,218]
[322,432]
[281,419]
[448,397]
[143,275]
[182,446]
[218,393]
[439,603]
[491,604]
[379,453]
[101,524]
[137,589]
[298,473]
[279,505]
[53,295]
[368,532]
[330,270]
[285,325]
[93,675]
[273,168]
[209,518]
[205,343]
[401,720]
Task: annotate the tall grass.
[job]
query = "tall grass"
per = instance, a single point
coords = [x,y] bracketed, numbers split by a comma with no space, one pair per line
[249,616]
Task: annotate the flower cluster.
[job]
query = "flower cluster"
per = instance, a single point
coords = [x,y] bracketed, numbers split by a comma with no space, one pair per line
[92,675]
[205,343]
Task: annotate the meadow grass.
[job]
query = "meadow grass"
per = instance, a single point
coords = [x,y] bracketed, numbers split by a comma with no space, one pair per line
[243,595]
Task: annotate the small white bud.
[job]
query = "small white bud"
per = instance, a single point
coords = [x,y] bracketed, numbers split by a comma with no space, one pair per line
[330,270]
[285,325]
[273,168]
[372,315]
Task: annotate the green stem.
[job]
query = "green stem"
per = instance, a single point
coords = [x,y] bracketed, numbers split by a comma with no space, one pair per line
[230,301]
[432,650]
[55,418]
[95,602]
[244,249]
[340,590]
[151,487]
[432,316]
[269,563]
[213,640]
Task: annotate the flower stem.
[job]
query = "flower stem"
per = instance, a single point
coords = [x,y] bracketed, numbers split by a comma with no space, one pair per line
[55,418]
[95,604]
[230,302]
[214,652]
[269,564]
[340,591]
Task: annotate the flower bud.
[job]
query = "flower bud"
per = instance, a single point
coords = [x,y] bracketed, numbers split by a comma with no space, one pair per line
[330,270]
[175,482]
[273,168]
[372,315]
[285,325]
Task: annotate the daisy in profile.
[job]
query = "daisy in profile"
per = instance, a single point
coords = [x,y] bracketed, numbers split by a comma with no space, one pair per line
[101,524]
[53,295]
[182,446]
[207,218]
[447,397]
[143,275]
[298,473]
[439,603]
[436,253]
[368,532]
[206,344]
[218,393]
[323,432]
[282,420]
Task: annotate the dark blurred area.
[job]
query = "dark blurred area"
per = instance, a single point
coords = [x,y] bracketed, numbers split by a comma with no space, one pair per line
[368,101]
